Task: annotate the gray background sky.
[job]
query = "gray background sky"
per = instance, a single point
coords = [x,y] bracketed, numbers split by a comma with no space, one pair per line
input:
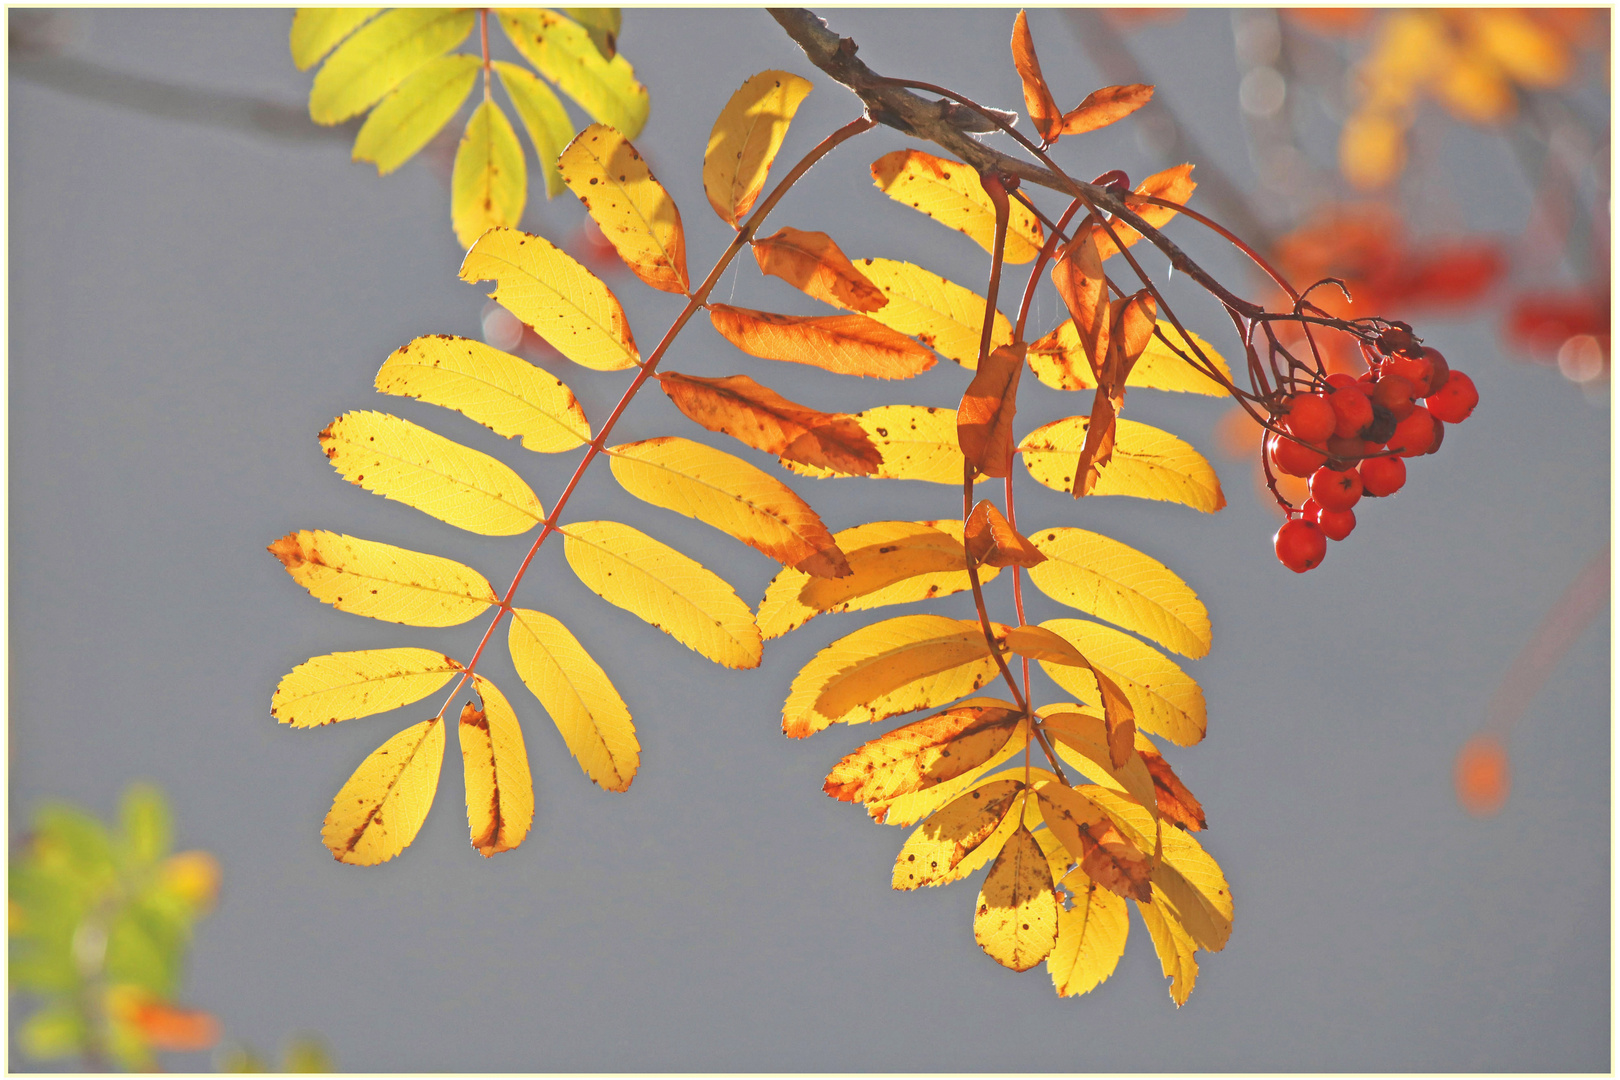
[190,305]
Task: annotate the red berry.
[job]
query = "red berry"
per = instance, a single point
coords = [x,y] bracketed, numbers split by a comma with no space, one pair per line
[1415,434]
[1300,545]
[1351,409]
[1394,338]
[1417,370]
[1336,524]
[1382,427]
[1439,434]
[1442,370]
[1335,489]
[1382,476]
[1455,400]
[1308,417]
[1394,392]
[1290,457]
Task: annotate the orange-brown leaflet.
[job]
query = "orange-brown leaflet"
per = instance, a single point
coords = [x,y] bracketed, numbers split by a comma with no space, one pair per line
[1078,277]
[1090,835]
[992,541]
[984,420]
[757,415]
[1174,184]
[846,344]
[1132,322]
[812,263]
[1103,107]
[1038,100]
[1176,804]
[922,754]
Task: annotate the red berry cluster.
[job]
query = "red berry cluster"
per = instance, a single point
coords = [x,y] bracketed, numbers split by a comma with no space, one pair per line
[1351,437]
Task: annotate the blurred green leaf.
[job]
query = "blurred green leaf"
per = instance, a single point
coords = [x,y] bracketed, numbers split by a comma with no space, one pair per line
[148,824]
[307,1054]
[66,838]
[55,1031]
[143,951]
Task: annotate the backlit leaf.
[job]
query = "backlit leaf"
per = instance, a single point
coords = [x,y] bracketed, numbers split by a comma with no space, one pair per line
[632,208]
[1105,578]
[1170,796]
[345,685]
[490,182]
[759,416]
[1082,740]
[951,194]
[1059,360]
[500,791]
[317,31]
[1131,328]
[1043,111]
[1103,107]
[1119,712]
[947,846]
[911,808]
[1174,184]
[508,395]
[381,581]
[941,314]
[543,117]
[890,562]
[1015,922]
[1078,278]
[1106,855]
[1147,463]
[745,139]
[846,344]
[563,52]
[984,420]
[1091,931]
[920,755]
[578,696]
[1187,883]
[891,667]
[602,24]
[918,442]
[402,461]
[1175,948]
[658,584]
[728,493]
[381,55]
[992,540]
[556,296]
[813,263]
[1165,700]
[408,118]
[379,809]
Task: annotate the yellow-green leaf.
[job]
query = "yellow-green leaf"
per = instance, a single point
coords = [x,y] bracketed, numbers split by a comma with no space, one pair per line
[1059,360]
[1105,578]
[379,809]
[1091,931]
[1166,701]
[602,24]
[561,300]
[918,442]
[563,52]
[543,117]
[1147,463]
[495,765]
[578,696]
[656,583]
[508,395]
[941,314]
[402,461]
[951,194]
[962,837]
[346,685]
[921,755]
[1175,948]
[1015,922]
[745,139]
[409,117]
[632,208]
[381,55]
[891,667]
[490,182]
[731,495]
[890,562]
[316,31]
[381,581]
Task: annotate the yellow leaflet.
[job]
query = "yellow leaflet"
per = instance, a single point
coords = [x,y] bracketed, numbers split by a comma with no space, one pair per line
[892,667]
[912,808]
[1105,578]
[1059,361]
[962,837]
[745,139]
[490,183]
[1082,740]
[345,685]
[1015,922]
[1166,701]
[635,212]
[918,442]
[500,792]
[316,31]
[1147,463]
[890,562]
[381,581]
[563,52]
[1107,855]
[731,495]
[658,584]
[950,193]
[924,754]
[409,117]
[380,56]
[402,461]
[509,396]
[942,315]
[1175,948]
[542,115]
[1091,931]
[578,696]
[564,302]
[602,24]
[379,809]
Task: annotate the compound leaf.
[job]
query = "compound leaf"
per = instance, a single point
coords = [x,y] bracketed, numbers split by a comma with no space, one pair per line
[845,344]
[578,696]
[346,685]
[408,118]
[317,31]
[543,117]
[632,208]
[760,417]
[962,837]
[379,809]
[941,314]
[500,791]
[381,581]
[1164,699]
[562,51]
[1147,463]
[920,755]
[490,182]
[1015,922]
[381,55]
[951,194]
[812,263]
[745,139]
[918,442]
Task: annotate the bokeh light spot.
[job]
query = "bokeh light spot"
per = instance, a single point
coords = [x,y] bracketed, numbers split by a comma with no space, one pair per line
[1482,777]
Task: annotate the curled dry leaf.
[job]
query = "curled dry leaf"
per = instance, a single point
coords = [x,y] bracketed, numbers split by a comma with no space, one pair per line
[1174,802]
[760,417]
[1174,184]
[1131,323]
[992,541]
[495,765]
[812,263]
[920,755]
[1038,101]
[984,420]
[1103,107]
[845,344]
[1078,277]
